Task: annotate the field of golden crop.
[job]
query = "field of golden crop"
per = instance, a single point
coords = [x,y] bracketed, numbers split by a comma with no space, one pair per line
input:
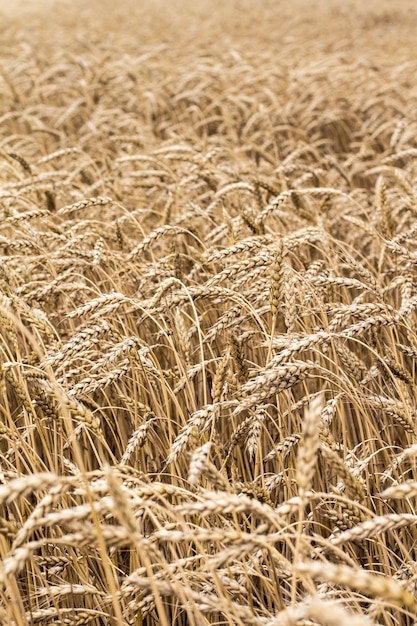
[208,313]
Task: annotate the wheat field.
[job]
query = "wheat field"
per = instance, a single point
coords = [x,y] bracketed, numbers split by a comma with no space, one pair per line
[208,329]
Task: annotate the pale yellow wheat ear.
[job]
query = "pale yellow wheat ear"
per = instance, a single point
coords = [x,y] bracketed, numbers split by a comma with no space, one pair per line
[276,289]
[199,462]
[309,445]
[386,589]
[219,379]
[307,459]
[331,613]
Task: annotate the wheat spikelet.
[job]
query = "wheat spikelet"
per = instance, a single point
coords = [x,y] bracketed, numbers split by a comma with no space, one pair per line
[224,322]
[220,379]
[285,446]
[409,351]
[351,482]
[197,424]
[199,462]
[190,375]
[384,209]
[182,335]
[9,322]
[343,518]
[36,317]
[300,344]
[76,617]
[121,504]
[330,613]
[272,382]
[277,279]
[129,346]
[98,251]
[254,432]
[376,525]
[404,490]
[407,453]
[355,330]
[41,513]
[84,339]
[365,310]
[80,412]
[137,439]
[366,582]
[236,352]
[152,238]
[12,375]
[90,384]
[245,266]
[84,204]
[26,216]
[350,361]
[308,446]
[24,485]
[215,502]
[239,434]
[290,310]
[245,246]
[114,298]
[21,160]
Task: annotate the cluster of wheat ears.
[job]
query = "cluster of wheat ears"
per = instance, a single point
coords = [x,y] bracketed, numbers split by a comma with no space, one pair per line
[208,293]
